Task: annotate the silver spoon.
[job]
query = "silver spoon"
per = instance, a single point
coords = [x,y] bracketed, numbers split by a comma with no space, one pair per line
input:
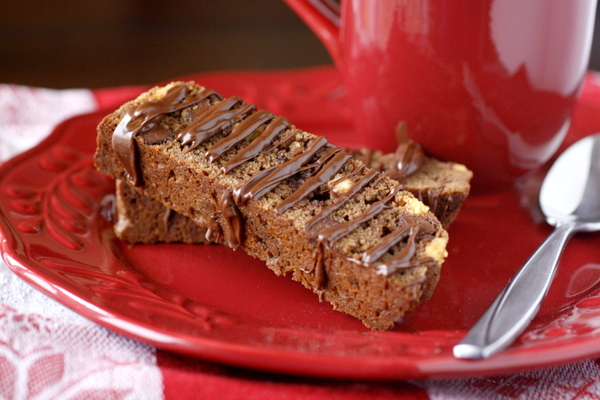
[570,200]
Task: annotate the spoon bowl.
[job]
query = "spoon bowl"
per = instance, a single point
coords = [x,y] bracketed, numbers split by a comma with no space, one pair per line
[571,190]
[570,200]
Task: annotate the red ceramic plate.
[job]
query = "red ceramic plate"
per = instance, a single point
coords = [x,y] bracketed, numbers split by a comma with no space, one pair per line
[221,305]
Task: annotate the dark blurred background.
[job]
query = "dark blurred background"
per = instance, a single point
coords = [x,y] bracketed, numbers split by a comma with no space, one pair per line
[102,43]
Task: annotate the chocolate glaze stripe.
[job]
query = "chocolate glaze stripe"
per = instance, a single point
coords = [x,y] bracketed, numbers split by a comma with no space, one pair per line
[433,198]
[358,186]
[376,252]
[246,128]
[214,233]
[263,182]
[146,117]
[402,259]
[263,141]
[408,158]
[333,234]
[319,162]
[312,183]
[233,219]
[319,266]
[215,120]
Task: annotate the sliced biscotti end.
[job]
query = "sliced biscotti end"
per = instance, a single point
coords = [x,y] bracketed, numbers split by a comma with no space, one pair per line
[143,220]
[345,231]
[442,185]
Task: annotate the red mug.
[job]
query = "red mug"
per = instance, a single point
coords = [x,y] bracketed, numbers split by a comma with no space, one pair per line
[488,83]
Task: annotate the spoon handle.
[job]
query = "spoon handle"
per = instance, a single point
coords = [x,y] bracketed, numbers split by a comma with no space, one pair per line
[517,304]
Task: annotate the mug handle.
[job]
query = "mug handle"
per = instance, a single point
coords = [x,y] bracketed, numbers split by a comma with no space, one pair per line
[323,18]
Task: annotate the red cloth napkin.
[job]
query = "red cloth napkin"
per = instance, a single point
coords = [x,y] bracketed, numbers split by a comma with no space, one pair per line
[49,352]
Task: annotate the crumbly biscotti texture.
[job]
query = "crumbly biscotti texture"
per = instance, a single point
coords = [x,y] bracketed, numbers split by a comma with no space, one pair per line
[141,219]
[442,186]
[372,251]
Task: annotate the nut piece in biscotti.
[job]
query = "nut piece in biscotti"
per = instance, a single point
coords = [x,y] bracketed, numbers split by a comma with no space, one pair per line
[285,196]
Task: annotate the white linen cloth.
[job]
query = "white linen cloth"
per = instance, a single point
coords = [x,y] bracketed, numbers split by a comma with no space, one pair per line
[46,350]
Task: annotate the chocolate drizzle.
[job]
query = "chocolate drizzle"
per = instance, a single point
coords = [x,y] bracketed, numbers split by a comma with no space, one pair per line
[233,219]
[241,132]
[319,266]
[357,187]
[240,124]
[145,118]
[264,181]
[262,142]
[218,119]
[408,157]
[314,182]
[378,251]
[214,233]
[337,232]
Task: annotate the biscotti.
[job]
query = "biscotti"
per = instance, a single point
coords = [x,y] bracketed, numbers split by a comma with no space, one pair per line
[290,198]
[141,219]
[442,186]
